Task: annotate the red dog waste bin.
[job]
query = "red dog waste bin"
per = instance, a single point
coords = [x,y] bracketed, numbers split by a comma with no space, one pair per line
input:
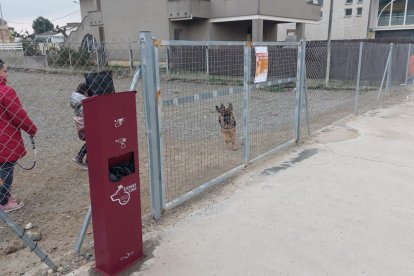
[112,146]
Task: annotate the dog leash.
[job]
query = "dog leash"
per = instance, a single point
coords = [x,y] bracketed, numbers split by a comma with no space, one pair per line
[32,140]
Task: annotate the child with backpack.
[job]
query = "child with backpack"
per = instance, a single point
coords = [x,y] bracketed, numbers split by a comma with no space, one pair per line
[81,93]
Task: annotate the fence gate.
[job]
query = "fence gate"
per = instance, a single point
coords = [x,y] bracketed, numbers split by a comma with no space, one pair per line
[191,79]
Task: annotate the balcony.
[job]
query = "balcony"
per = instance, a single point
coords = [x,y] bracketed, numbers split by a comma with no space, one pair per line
[188,9]
[384,21]
[394,14]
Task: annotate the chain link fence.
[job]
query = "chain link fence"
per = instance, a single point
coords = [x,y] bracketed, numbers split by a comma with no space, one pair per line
[330,89]
[331,82]
[198,79]
[272,104]
[56,191]
[186,144]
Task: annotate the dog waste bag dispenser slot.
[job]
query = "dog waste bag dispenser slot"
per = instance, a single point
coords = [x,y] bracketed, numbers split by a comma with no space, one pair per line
[112,145]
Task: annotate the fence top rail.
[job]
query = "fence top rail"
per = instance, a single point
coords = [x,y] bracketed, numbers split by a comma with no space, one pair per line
[221,93]
[14,46]
[12,43]
[276,43]
[224,43]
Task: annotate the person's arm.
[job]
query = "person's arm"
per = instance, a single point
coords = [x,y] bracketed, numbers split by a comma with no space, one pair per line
[18,116]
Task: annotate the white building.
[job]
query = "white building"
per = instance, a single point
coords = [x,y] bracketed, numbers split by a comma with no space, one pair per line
[5,32]
[360,19]
[50,41]
[392,18]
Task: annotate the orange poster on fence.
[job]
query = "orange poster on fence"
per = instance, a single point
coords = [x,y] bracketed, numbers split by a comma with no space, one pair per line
[262,64]
[411,66]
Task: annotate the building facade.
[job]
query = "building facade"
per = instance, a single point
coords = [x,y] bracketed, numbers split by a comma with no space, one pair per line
[392,19]
[5,32]
[257,20]
[360,19]
[349,21]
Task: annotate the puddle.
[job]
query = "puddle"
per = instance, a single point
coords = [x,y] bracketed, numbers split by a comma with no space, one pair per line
[303,155]
[337,134]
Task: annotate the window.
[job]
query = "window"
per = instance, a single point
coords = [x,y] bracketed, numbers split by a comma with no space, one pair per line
[321,14]
[89,43]
[410,13]
[348,12]
[177,34]
[349,1]
[320,3]
[359,11]
[395,12]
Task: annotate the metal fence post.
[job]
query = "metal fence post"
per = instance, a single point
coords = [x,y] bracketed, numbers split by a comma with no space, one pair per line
[70,58]
[389,71]
[33,246]
[131,58]
[167,59]
[305,92]
[85,225]
[299,87]
[135,78]
[97,59]
[361,47]
[160,129]
[384,75]
[408,64]
[328,63]
[47,61]
[246,102]
[152,121]
[207,63]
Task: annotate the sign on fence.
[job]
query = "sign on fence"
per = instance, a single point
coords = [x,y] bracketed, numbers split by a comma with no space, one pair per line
[262,64]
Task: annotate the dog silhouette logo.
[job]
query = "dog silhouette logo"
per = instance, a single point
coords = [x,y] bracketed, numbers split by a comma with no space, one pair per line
[121,195]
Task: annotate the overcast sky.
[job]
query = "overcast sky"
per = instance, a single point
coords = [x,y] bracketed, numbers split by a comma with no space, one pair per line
[21,13]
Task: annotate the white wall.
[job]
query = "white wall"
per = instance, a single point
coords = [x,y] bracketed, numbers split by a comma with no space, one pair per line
[353,27]
[86,6]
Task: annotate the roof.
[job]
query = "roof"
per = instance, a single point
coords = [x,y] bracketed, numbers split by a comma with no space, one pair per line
[48,34]
[72,25]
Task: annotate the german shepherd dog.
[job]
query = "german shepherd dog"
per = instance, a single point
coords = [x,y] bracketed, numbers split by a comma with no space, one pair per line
[228,124]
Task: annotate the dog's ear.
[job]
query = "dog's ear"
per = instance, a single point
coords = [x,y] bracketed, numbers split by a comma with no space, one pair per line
[221,108]
[230,107]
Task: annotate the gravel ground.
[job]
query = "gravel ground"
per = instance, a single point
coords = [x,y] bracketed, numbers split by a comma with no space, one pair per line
[56,191]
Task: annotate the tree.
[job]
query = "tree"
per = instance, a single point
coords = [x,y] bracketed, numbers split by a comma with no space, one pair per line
[42,25]
[23,35]
[61,30]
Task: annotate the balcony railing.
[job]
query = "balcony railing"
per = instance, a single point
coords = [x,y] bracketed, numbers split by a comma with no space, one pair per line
[396,20]
[188,9]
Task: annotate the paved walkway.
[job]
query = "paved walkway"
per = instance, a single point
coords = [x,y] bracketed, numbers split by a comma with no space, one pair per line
[341,208]
[343,204]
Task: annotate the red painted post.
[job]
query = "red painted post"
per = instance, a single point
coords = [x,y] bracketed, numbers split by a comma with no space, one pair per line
[112,149]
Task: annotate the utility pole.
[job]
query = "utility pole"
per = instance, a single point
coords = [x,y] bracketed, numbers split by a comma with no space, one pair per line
[2,24]
[369,19]
[328,58]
